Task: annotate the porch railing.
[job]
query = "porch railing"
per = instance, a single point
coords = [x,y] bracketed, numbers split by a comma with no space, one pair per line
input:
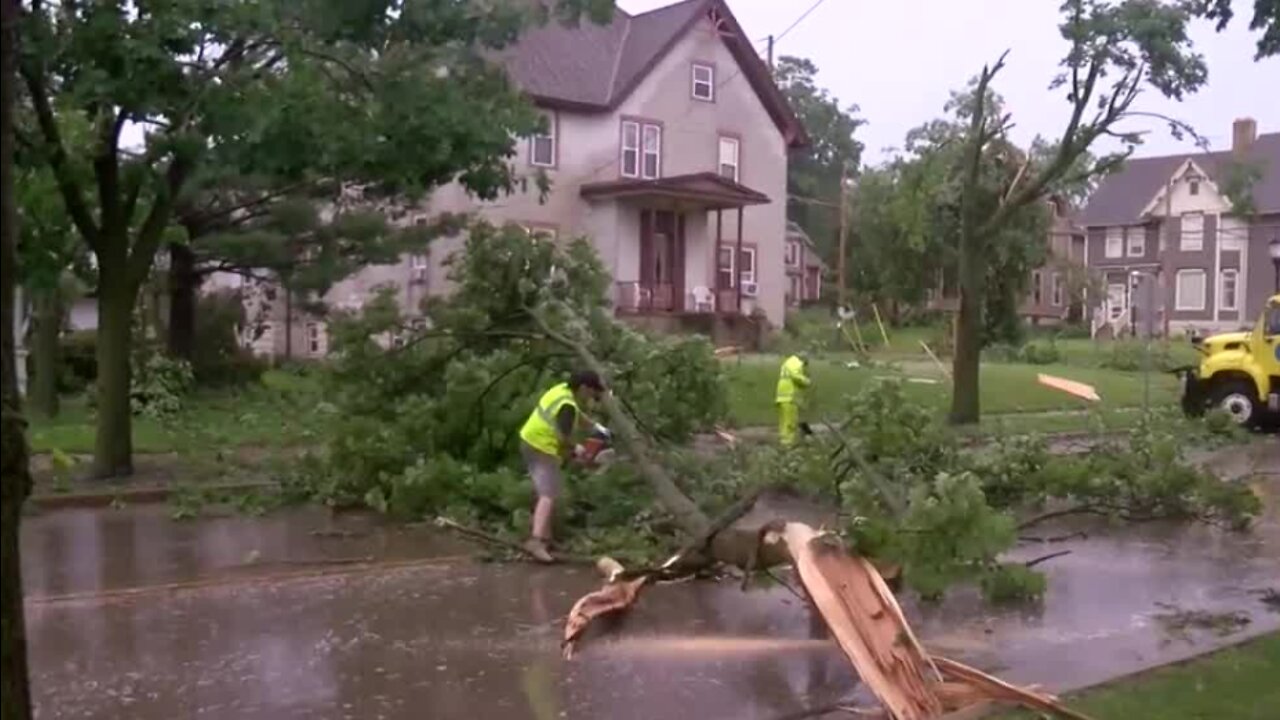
[638,298]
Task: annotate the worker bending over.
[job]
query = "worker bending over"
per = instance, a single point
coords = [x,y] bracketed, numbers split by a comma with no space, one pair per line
[546,442]
[793,381]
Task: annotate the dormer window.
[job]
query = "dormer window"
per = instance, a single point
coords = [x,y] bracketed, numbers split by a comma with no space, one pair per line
[704,82]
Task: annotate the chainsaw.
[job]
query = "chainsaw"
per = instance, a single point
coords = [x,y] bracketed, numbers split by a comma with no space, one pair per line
[597,449]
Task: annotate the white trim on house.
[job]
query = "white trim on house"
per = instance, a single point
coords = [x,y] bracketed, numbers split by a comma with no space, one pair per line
[1156,204]
[1191,241]
[1183,304]
[1138,248]
[1234,305]
[1114,242]
[707,82]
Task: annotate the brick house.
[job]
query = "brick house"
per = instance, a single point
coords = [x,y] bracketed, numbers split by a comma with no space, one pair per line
[1164,225]
[667,147]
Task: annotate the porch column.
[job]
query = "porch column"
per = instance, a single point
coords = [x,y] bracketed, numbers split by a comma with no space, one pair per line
[737,264]
[716,259]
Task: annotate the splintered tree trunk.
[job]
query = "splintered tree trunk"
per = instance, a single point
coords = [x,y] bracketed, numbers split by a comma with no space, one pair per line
[965,406]
[15,477]
[113,443]
[183,283]
[46,330]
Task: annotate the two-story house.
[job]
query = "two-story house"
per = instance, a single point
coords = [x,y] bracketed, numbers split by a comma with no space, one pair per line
[805,268]
[1051,294]
[1168,221]
[667,146]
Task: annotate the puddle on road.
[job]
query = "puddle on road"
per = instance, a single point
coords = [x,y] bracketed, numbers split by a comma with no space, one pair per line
[482,641]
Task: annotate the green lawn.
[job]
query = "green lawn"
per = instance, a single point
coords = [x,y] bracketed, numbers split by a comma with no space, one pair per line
[279,412]
[1006,387]
[1242,683]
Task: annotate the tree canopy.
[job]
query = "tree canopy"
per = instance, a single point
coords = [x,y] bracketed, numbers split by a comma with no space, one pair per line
[381,94]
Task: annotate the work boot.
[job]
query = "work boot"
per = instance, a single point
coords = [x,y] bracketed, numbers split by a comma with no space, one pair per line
[537,548]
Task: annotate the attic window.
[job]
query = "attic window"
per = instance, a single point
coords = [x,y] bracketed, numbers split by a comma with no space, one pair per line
[704,82]
[1194,187]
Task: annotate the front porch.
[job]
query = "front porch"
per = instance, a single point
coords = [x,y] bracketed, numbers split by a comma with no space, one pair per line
[679,246]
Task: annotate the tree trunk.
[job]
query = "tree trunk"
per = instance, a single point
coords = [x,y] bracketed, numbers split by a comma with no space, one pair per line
[965,406]
[183,283]
[46,331]
[288,323]
[113,444]
[15,476]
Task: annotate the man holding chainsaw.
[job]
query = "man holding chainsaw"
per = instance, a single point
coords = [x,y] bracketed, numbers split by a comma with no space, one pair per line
[546,442]
[793,382]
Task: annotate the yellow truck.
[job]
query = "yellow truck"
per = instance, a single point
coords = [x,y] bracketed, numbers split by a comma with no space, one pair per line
[1239,373]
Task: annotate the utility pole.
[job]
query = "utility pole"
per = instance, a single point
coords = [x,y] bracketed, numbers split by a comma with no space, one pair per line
[842,242]
[771,53]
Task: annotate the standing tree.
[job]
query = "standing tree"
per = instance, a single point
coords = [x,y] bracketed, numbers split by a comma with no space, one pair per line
[15,475]
[814,172]
[382,94]
[1116,50]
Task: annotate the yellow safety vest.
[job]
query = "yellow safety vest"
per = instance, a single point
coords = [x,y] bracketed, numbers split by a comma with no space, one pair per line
[539,431]
[791,380]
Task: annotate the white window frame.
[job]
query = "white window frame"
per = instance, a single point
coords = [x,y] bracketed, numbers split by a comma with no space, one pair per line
[1037,287]
[702,75]
[1114,243]
[1135,242]
[1234,305]
[1185,238]
[1116,309]
[648,130]
[745,275]
[735,161]
[793,253]
[1179,302]
[314,344]
[553,144]
[629,144]
[1057,290]
[730,252]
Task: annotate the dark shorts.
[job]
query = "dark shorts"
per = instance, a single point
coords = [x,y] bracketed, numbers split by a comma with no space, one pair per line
[544,470]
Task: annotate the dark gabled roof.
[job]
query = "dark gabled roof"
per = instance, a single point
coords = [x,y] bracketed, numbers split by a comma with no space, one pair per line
[1122,196]
[709,189]
[593,68]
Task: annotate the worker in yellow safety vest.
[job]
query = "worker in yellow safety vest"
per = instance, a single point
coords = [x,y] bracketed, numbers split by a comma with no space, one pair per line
[546,441]
[793,382]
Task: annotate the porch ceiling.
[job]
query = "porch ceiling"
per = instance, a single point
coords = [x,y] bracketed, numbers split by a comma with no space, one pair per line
[704,190]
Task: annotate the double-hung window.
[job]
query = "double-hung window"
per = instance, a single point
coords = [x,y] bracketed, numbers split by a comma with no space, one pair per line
[641,150]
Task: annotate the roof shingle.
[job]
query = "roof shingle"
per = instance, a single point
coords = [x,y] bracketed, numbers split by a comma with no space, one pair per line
[1121,197]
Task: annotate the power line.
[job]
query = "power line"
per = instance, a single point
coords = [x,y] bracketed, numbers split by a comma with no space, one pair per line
[799,20]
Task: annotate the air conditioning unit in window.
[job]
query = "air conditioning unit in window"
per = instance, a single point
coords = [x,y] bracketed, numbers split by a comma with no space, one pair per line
[750,289]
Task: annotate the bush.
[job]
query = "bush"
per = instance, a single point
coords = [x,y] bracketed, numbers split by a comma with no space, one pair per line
[1130,356]
[79,358]
[218,359]
[1040,353]
[159,385]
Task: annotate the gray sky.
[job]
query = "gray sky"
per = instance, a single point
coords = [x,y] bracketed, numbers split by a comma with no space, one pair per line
[899,59]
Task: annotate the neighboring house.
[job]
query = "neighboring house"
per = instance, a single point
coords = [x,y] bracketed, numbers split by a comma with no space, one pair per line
[667,146]
[805,268]
[1166,221]
[1048,299]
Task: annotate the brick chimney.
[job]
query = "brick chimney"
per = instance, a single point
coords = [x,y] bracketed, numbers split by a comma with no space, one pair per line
[1243,132]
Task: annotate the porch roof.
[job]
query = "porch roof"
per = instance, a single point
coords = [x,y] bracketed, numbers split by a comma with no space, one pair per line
[706,190]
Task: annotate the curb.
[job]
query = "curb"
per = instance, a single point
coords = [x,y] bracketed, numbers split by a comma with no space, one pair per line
[132,496]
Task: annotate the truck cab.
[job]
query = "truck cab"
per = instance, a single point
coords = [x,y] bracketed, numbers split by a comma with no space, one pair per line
[1239,372]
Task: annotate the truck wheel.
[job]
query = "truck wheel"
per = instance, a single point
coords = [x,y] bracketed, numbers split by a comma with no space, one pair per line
[1236,398]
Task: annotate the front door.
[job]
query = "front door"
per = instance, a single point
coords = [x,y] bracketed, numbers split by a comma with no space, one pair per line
[662,259]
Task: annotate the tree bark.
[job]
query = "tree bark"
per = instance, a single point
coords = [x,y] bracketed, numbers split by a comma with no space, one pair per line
[288,322]
[113,443]
[965,405]
[46,332]
[15,476]
[183,283]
